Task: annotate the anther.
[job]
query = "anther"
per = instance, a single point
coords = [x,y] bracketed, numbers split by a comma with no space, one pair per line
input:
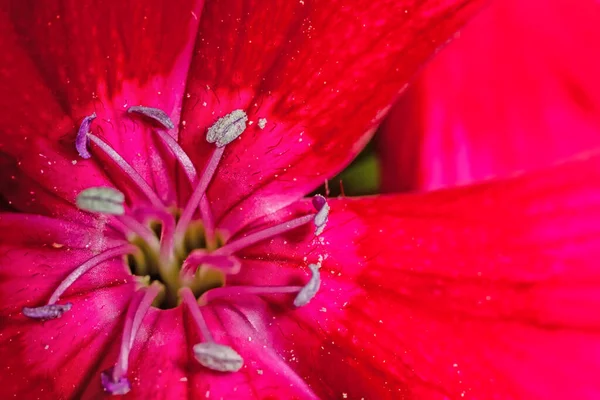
[154,114]
[227,128]
[218,357]
[81,140]
[320,204]
[101,200]
[120,386]
[50,311]
[308,292]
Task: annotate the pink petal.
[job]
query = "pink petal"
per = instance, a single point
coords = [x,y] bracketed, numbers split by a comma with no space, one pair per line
[322,74]
[518,90]
[54,358]
[486,292]
[67,59]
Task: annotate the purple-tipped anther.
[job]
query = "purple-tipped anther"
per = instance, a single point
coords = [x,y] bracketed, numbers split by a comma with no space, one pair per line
[119,387]
[155,114]
[320,204]
[50,311]
[81,141]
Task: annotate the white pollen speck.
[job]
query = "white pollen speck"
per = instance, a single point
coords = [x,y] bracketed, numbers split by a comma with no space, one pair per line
[74,162]
[262,123]
[345,395]
[259,371]
[184,379]
[46,347]
[204,104]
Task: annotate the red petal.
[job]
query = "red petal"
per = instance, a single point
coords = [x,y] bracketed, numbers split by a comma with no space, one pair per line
[67,59]
[486,292]
[518,90]
[321,73]
[54,358]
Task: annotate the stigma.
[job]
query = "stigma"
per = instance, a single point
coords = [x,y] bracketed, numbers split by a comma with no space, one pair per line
[178,256]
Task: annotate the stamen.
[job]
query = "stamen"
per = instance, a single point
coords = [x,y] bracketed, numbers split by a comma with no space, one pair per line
[190,172]
[81,140]
[305,293]
[320,204]
[50,311]
[227,128]
[154,114]
[128,169]
[228,264]
[239,244]
[114,380]
[232,291]
[188,298]
[180,155]
[53,310]
[309,290]
[104,200]
[199,192]
[209,354]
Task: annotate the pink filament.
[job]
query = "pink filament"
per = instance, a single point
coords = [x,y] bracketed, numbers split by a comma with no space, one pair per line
[128,169]
[138,308]
[189,299]
[267,233]
[228,291]
[195,199]
[86,266]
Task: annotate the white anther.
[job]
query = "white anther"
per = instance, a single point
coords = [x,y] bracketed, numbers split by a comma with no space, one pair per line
[321,219]
[309,290]
[101,200]
[227,128]
[218,357]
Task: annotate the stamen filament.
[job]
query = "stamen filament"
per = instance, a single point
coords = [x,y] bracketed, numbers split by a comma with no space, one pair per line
[141,230]
[194,201]
[180,154]
[208,222]
[191,173]
[89,264]
[267,233]
[188,298]
[135,314]
[128,169]
[228,291]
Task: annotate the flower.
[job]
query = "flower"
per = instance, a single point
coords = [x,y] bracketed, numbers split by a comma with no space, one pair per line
[157,153]
[518,90]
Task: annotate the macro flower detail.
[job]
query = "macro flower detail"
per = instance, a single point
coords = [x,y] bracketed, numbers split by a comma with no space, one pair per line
[185,254]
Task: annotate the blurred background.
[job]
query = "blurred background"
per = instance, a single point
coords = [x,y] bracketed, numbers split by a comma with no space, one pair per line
[517,89]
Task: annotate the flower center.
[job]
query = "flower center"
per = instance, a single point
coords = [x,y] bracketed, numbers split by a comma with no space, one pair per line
[176,255]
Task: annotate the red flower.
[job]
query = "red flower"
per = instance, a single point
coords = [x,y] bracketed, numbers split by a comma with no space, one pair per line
[120,120]
[518,90]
